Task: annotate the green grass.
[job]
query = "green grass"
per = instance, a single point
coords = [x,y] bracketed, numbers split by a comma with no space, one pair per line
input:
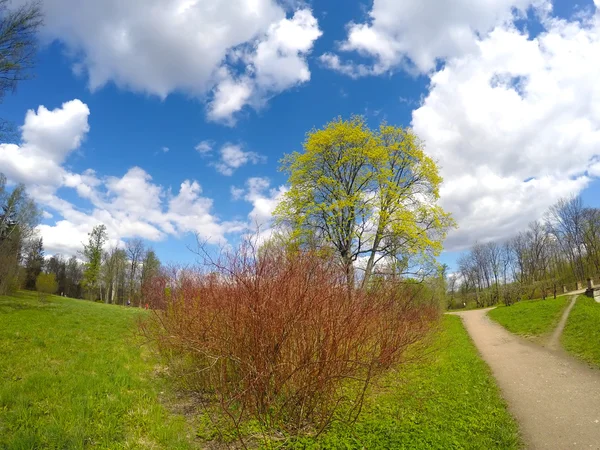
[535,318]
[447,400]
[581,336]
[73,375]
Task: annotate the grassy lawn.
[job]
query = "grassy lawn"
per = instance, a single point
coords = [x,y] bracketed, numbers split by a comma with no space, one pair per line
[531,317]
[74,376]
[447,400]
[581,336]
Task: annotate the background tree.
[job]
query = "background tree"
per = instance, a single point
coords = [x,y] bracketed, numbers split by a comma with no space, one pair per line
[18,28]
[73,278]
[34,263]
[150,269]
[560,251]
[19,216]
[57,265]
[46,284]
[135,250]
[566,221]
[92,251]
[368,194]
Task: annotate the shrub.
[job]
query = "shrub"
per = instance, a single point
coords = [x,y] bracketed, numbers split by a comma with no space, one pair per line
[276,336]
[45,284]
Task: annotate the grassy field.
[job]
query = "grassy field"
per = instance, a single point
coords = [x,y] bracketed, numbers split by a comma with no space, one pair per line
[535,318]
[74,376]
[581,336]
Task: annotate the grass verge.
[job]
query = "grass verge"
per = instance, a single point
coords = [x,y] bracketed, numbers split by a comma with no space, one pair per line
[74,376]
[581,335]
[533,318]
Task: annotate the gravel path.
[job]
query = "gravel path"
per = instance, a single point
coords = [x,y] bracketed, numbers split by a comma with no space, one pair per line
[555,399]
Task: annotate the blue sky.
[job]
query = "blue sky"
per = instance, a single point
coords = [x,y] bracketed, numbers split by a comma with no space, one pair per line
[283,68]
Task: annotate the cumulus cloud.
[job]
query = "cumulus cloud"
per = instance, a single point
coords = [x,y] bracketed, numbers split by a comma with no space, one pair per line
[237,52]
[232,157]
[515,125]
[416,34]
[205,147]
[276,63]
[263,197]
[48,137]
[131,205]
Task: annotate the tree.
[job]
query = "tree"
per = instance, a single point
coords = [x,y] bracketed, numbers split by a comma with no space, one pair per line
[57,266]
[73,278]
[45,284]
[34,263]
[18,218]
[18,28]
[92,251]
[135,252]
[566,221]
[369,194]
[150,268]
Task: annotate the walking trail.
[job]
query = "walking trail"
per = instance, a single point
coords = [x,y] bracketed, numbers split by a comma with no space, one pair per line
[555,399]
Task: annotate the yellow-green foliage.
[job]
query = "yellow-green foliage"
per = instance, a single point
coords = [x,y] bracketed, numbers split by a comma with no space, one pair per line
[366,192]
[45,283]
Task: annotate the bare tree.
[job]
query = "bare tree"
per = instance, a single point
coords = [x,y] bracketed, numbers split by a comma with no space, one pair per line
[135,251]
[18,28]
[566,222]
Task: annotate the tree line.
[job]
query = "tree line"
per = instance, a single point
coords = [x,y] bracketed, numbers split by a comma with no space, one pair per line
[558,253]
[112,275]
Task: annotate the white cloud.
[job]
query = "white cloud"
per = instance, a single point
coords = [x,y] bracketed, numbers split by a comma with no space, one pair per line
[232,157]
[417,33]
[515,125]
[130,206]
[205,147]
[276,63]
[333,62]
[264,200]
[163,46]
[165,149]
[230,96]
[48,137]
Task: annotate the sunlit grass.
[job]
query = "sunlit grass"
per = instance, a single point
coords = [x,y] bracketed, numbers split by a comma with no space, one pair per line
[535,318]
[581,336]
[74,375]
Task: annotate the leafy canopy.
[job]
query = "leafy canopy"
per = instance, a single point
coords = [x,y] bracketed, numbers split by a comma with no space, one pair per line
[370,194]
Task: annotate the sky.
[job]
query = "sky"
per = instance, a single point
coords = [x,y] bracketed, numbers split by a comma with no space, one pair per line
[163,119]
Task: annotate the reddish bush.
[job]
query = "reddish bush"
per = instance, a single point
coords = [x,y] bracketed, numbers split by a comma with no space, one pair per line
[278,337]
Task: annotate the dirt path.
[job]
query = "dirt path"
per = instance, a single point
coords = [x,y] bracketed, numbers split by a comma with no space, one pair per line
[555,398]
[554,342]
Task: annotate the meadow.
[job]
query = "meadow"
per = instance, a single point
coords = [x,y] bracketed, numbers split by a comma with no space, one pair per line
[77,374]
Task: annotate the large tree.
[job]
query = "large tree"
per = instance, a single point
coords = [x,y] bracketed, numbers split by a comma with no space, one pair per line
[18,28]
[370,194]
